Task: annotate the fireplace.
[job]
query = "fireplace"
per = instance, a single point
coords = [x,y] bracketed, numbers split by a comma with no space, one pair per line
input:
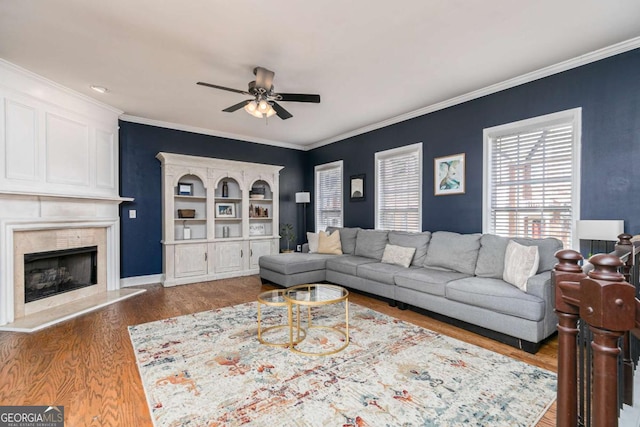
[56,272]
[56,266]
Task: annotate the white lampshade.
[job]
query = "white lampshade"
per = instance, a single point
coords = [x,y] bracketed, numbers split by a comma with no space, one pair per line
[599,229]
[303,197]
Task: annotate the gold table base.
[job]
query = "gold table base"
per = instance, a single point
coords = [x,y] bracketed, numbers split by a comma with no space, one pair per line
[298,333]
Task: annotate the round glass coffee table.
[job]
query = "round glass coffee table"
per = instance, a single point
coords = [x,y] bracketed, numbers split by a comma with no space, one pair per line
[275,298]
[315,295]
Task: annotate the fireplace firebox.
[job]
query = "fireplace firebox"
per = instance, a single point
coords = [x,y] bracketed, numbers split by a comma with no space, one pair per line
[56,272]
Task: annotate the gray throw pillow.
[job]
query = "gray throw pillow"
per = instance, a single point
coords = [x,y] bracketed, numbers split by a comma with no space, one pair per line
[420,241]
[347,238]
[371,243]
[458,252]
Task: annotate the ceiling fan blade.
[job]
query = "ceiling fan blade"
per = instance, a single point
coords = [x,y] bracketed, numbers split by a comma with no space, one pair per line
[237,106]
[299,97]
[244,92]
[281,112]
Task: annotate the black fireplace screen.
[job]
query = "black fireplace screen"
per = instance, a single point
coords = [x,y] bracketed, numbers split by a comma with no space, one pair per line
[55,272]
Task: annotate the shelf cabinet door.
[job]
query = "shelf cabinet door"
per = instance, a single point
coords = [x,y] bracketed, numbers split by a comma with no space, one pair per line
[190,260]
[229,257]
[258,249]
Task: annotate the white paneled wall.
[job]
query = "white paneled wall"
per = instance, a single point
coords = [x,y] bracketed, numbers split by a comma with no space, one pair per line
[58,170]
[54,141]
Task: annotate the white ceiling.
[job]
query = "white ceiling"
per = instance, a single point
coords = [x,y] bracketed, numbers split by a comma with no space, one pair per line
[369,60]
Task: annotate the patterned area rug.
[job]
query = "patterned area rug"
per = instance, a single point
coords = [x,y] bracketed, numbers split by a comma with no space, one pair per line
[208,369]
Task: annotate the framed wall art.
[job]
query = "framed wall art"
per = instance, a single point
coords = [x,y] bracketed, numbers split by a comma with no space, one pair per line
[449,174]
[356,192]
[225,210]
[185,189]
[257,229]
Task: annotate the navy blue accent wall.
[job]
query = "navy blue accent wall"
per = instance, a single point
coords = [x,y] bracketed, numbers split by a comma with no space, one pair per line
[140,178]
[608,92]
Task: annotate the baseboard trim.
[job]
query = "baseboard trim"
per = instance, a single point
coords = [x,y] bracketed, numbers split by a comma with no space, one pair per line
[150,279]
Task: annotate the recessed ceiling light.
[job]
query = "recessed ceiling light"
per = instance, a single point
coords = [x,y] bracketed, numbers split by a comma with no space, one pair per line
[99,89]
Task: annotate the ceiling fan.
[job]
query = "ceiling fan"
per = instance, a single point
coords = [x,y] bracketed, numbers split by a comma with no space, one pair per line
[265,101]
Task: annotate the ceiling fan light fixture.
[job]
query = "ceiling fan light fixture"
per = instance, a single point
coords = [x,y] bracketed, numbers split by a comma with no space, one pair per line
[270,111]
[255,113]
[251,107]
[264,106]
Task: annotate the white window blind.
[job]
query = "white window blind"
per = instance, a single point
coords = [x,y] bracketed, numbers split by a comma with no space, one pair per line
[399,188]
[533,179]
[328,203]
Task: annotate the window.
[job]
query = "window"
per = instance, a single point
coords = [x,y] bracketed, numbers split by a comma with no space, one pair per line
[531,177]
[399,188]
[328,195]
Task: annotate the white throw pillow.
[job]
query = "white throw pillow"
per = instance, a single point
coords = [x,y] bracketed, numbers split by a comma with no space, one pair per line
[312,239]
[520,263]
[398,255]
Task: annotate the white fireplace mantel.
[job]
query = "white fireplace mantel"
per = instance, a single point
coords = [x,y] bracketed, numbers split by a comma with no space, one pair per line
[58,169]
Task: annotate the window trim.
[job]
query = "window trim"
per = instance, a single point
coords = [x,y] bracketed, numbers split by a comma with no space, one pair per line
[338,164]
[381,155]
[574,116]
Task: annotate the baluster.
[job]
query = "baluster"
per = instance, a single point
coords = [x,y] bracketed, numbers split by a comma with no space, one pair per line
[569,270]
[607,304]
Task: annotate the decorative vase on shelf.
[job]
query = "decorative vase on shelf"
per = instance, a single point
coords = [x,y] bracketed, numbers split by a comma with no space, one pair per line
[225,189]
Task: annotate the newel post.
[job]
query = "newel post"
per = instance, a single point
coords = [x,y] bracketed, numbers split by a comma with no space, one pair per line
[625,244]
[608,306]
[567,272]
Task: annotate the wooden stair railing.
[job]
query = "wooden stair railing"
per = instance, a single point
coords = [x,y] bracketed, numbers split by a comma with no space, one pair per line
[607,303]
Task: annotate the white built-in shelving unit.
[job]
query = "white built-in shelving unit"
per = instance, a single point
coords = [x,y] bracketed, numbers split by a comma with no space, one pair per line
[219,217]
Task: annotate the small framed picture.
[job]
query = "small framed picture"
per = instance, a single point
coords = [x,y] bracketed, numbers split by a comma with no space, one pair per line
[225,210]
[449,175]
[257,230]
[185,189]
[356,193]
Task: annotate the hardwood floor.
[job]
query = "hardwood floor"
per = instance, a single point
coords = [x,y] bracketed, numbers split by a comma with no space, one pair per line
[87,363]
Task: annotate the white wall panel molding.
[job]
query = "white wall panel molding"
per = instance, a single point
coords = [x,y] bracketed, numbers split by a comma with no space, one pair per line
[54,140]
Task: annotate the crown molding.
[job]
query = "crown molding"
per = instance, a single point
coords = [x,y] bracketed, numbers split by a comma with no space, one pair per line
[578,61]
[210,132]
[17,70]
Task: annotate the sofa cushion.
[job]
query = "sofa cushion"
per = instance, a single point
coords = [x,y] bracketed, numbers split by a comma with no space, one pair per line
[458,252]
[294,263]
[427,279]
[380,272]
[347,238]
[329,243]
[491,256]
[546,248]
[347,264]
[371,243]
[398,255]
[420,241]
[520,263]
[496,295]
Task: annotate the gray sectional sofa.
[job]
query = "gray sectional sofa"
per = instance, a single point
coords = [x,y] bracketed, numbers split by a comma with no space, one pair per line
[455,277]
